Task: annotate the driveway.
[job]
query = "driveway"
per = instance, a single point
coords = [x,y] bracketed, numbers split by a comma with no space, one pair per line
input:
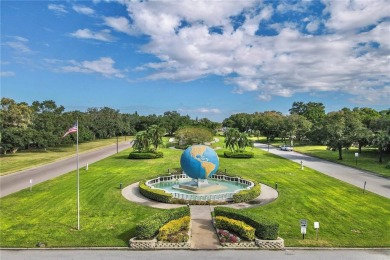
[21,180]
[356,177]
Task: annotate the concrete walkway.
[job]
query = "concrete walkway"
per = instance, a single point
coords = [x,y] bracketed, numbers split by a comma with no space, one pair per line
[21,180]
[203,232]
[356,177]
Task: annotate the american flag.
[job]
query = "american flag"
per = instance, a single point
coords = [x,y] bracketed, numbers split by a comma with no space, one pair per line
[73,129]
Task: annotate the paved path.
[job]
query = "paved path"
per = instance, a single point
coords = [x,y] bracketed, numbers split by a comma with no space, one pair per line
[202,231]
[374,183]
[21,180]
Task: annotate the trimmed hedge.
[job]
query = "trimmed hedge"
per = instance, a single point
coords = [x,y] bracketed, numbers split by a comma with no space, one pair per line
[236,226]
[146,155]
[173,227]
[149,227]
[265,229]
[154,194]
[240,155]
[247,195]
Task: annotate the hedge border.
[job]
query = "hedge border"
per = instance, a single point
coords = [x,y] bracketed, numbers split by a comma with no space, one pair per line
[239,155]
[265,229]
[150,226]
[247,195]
[145,155]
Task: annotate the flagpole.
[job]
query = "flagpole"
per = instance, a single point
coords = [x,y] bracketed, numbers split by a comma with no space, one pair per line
[78,178]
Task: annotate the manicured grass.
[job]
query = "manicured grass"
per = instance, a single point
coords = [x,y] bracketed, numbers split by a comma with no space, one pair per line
[367,160]
[348,218]
[28,159]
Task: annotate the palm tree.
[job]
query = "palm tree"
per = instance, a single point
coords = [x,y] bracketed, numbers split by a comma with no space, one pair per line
[231,138]
[141,142]
[155,134]
[243,141]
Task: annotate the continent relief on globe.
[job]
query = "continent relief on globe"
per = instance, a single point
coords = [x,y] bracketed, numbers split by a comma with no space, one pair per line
[196,152]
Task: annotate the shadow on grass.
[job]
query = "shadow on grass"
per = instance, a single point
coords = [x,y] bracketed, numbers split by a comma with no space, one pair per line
[125,236]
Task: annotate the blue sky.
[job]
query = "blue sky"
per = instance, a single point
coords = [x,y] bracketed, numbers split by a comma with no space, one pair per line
[201,58]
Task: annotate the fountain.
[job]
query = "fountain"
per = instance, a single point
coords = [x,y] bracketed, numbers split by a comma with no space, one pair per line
[199,181]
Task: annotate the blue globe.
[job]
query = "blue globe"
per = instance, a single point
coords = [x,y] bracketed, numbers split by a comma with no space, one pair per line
[199,161]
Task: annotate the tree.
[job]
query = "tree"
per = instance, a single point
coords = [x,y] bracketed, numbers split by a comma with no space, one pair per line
[141,142]
[382,141]
[296,127]
[193,134]
[15,114]
[155,134]
[313,111]
[340,130]
[236,141]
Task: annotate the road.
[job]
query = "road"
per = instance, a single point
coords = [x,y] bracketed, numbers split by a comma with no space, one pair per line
[21,180]
[356,177]
[293,254]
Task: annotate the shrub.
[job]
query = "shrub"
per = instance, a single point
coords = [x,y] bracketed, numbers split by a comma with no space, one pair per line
[174,227]
[241,154]
[388,165]
[149,227]
[154,194]
[247,195]
[236,226]
[265,228]
[146,155]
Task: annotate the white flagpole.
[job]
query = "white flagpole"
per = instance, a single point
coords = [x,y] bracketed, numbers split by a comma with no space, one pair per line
[78,178]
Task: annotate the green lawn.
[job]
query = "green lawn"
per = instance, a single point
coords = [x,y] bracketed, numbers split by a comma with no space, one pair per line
[28,159]
[367,160]
[348,218]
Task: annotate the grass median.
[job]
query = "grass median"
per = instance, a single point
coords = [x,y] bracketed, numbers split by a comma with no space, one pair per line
[48,214]
[27,159]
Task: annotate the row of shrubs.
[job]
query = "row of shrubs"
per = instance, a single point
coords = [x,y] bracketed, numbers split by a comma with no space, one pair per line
[149,227]
[240,154]
[247,195]
[154,194]
[175,230]
[236,226]
[265,229]
[146,155]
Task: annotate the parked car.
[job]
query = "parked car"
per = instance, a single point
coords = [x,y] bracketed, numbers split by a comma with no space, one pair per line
[286,148]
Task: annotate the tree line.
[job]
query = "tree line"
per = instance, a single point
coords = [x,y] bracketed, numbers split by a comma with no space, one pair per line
[309,123]
[42,125]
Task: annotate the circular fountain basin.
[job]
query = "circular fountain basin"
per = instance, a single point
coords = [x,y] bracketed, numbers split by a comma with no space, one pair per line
[219,187]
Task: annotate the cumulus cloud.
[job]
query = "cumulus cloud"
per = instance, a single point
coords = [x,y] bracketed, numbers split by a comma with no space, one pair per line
[349,58]
[103,66]
[103,35]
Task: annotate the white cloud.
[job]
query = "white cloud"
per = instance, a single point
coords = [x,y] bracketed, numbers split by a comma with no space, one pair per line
[18,44]
[83,10]
[103,66]
[280,65]
[120,24]
[103,35]
[57,8]
[201,110]
[7,74]
[352,15]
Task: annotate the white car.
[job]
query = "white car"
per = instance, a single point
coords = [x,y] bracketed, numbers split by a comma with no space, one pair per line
[286,148]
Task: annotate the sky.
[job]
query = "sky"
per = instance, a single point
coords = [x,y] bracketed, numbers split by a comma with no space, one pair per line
[201,58]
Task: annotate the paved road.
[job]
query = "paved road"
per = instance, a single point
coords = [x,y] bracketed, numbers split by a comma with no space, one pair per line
[374,183]
[294,254]
[21,180]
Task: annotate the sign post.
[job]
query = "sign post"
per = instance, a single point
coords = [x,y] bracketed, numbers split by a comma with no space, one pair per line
[31,181]
[303,227]
[316,226]
[356,157]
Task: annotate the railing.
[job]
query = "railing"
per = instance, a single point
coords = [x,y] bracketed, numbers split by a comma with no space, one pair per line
[200,197]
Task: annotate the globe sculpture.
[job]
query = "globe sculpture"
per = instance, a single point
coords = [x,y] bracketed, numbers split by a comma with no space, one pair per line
[199,162]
